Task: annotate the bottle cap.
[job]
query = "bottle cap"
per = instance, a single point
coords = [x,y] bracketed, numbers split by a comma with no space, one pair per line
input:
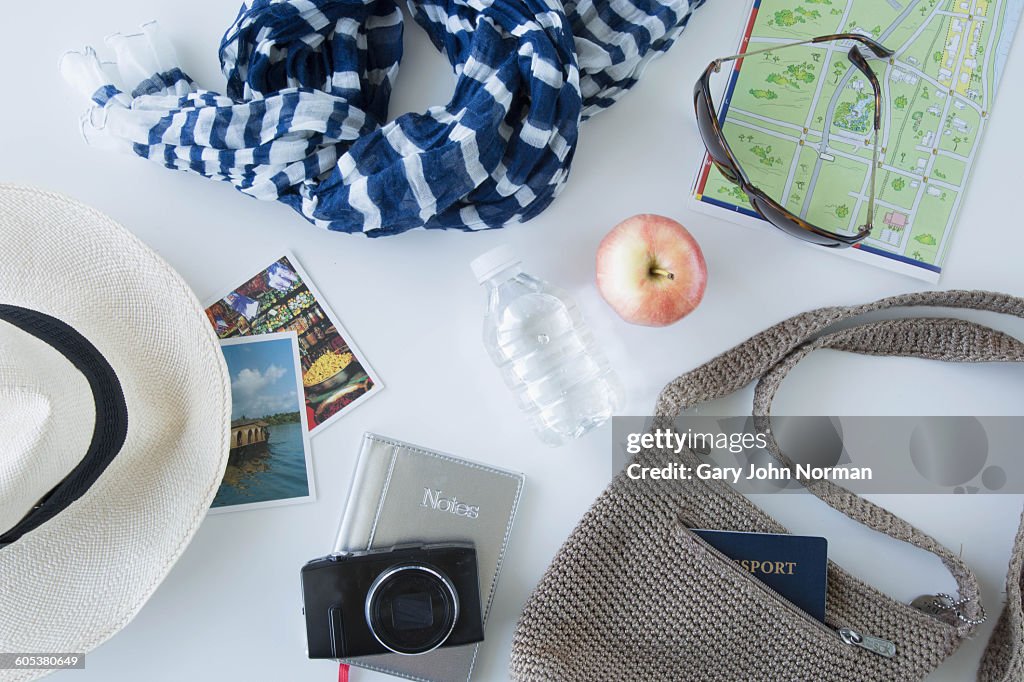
[489,264]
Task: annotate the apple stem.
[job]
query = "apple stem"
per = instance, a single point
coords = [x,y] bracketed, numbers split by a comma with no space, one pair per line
[662,273]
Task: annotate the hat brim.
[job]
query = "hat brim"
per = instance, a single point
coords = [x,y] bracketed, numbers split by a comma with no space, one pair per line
[73,582]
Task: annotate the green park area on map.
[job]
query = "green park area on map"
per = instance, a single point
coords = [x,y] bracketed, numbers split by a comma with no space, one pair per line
[799,120]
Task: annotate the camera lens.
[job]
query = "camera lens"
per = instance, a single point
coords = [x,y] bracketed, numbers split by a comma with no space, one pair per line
[412,609]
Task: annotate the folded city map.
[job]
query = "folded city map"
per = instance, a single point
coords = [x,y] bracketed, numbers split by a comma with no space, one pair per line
[799,118]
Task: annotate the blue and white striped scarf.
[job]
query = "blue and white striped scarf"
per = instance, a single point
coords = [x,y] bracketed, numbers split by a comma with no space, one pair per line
[304,116]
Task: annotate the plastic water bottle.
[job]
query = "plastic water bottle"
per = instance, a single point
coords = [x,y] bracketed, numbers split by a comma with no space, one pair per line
[536,336]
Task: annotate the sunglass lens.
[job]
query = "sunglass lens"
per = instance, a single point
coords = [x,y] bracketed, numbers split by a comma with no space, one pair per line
[708,127]
[789,224]
[727,172]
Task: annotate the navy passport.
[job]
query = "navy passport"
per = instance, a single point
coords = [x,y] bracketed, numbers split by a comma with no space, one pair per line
[795,566]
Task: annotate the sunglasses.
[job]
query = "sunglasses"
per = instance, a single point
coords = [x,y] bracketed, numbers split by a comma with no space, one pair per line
[725,160]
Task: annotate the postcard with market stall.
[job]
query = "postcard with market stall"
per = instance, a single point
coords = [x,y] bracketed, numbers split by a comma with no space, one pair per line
[281,298]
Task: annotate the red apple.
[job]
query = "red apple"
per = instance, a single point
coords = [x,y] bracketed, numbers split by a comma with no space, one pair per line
[650,270]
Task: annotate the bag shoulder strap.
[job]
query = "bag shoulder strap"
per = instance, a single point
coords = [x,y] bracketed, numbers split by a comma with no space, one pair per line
[741,365]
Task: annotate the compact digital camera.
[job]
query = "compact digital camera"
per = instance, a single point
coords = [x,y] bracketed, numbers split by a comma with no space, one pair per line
[406,600]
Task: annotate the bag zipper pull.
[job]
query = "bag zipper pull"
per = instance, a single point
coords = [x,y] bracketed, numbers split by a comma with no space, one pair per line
[875,645]
[947,609]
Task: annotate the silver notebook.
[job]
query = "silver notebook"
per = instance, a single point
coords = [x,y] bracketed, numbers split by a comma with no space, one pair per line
[403,493]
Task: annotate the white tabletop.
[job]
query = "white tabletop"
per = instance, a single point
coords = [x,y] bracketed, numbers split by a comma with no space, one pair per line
[230,609]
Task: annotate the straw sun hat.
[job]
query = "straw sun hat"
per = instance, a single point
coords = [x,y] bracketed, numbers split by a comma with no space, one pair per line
[114,424]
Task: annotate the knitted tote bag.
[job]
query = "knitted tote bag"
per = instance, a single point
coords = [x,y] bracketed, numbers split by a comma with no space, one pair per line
[635,595]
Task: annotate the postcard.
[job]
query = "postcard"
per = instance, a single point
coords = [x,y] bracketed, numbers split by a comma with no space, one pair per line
[281,298]
[269,463]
